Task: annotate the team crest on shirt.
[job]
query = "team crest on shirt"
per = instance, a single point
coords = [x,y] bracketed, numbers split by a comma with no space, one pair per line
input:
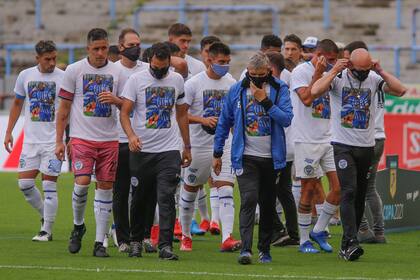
[54,165]
[78,165]
[342,163]
[134,181]
[309,170]
[192,178]
[22,163]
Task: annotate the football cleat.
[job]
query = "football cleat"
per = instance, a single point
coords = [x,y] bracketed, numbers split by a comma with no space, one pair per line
[321,239]
[167,254]
[230,245]
[154,235]
[205,225]
[135,249]
[42,236]
[308,248]
[265,257]
[245,257]
[99,250]
[148,246]
[195,229]
[186,244]
[177,228]
[214,228]
[76,238]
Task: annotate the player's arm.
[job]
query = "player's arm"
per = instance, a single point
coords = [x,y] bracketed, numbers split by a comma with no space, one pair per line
[324,83]
[13,117]
[182,119]
[107,97]
[134,142]
[180,66]
[61,122]
[392,85]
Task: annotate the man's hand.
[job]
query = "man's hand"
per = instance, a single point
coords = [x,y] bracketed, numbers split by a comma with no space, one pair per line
[106,97]
[210,121]
[340,65]
[321,66]
[217,165]
[376,66]
[186,157]
[259,93]
[134,143]
[8,142]
[60,150]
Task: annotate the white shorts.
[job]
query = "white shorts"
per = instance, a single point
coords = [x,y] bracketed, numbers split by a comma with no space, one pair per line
[312,160]
[39,157]
[201,168]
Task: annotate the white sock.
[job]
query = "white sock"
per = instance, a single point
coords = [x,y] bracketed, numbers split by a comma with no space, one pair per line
[318,208]
[279,209]
[296,191]
[202,204]
[227,210]
[32,194]
[304,220]
[156,217]
[103,207]
[214,204]
[186,211]
[328,211]
[79,196]
[50,204]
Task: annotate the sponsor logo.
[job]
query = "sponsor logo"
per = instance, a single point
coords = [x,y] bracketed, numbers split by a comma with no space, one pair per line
[309,170]
[411,144]
[342,163]
[393,182]
[134,181]
[393,212]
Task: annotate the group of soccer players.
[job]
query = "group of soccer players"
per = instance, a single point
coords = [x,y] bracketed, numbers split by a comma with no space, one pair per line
[154,131]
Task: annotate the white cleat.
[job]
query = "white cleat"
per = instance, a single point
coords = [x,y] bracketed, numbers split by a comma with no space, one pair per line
[42,236]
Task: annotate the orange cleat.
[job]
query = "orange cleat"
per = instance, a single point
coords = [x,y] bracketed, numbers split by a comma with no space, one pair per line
[186,244]
[177,228]
[154,235]
[205,225]
[214,228]
[231,245]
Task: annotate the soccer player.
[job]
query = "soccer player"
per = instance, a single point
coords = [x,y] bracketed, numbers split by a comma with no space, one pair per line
[181,35]
[129,49]
[313,151]
[352,101]
[156,95]
[205,94]
[88,83]
[39,86]
[309,47]
[258,108]
[292,49]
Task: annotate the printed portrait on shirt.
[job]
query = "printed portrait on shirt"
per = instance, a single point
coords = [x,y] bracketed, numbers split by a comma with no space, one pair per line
[213,102]
[257,120]
[321,108]
[42,101]
[355,107]
[93,85]
[159,104]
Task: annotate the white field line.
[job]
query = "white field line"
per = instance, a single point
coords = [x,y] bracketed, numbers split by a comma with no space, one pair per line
[192,273]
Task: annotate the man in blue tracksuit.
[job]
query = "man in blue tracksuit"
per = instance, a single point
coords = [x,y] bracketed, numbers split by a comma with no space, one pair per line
[257,108]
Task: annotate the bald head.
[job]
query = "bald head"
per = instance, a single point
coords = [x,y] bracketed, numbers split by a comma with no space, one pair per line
[360,59]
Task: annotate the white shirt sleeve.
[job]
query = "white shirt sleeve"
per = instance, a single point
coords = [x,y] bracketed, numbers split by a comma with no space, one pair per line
[189,92]
[20,86]
[299,78]
[69,79]
[129,91]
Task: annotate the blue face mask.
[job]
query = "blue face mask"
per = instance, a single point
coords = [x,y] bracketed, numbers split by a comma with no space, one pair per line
[220,70]
[329,67]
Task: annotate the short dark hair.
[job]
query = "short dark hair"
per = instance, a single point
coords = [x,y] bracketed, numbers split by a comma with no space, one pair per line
[96,34]
[179,29]
[161,51]
[219,48]
[43,47]
[356,45]
[328,46]
[276,60]
[208,40]
[124,32]
[294,39]
[173,47]
[271,40]
[146,56]
[113,49]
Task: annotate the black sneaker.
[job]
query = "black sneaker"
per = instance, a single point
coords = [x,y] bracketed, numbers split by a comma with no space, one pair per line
[167,254]
[352,253]
[148,246]
[278,236]
[135,249]
[76,238]
[287,241]
[99,250]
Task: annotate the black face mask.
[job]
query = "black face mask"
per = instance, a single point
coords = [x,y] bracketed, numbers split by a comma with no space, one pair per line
[257,81]
[361,75]
[159,73]
[132,53]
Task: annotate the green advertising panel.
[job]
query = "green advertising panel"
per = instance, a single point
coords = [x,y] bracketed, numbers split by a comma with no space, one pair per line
[408,104]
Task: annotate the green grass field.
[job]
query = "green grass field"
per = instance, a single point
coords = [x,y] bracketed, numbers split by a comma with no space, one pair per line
[20,258]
